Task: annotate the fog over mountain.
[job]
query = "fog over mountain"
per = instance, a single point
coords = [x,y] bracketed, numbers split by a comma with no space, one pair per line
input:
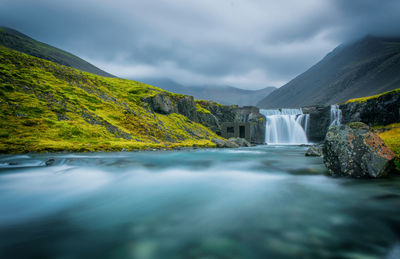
[227,95]
[247,44]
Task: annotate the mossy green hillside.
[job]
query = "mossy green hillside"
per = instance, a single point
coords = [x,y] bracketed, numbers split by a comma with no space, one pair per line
[49,107]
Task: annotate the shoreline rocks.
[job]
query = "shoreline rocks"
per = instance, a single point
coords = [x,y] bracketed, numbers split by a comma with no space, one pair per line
[354,150]
[231,143]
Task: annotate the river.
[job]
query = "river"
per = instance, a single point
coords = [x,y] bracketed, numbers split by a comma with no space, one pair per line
[258,202]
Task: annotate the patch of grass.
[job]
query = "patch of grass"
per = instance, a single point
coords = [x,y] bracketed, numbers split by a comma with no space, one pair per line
[199,108]
[364,99]
[391,135]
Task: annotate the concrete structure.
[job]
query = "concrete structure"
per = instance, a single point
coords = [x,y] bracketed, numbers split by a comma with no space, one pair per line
[236,130]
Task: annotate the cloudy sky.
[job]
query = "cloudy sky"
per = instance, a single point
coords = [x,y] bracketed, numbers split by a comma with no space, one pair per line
[245,43]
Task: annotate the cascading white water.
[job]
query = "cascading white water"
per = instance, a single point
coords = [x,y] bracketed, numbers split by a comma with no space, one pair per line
[286,126]
[336,115]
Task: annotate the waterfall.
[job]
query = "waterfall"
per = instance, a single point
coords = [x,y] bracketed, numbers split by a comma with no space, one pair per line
[286,126]
[336,115]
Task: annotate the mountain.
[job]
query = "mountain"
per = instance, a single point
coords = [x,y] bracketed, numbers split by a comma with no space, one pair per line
[227,95]
[365,67]
[45,106]
[15,40]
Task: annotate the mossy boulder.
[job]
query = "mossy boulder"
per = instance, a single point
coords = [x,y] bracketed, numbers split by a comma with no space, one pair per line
[354,150]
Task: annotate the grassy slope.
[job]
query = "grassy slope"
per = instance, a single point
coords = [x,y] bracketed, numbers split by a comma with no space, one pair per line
[15,40]
[48,107]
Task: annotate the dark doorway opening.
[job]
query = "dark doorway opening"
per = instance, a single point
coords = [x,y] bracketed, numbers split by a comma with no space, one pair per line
[242,131]
[230,130]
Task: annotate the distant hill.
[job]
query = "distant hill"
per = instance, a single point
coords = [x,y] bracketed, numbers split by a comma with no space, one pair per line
[15,40]
[223,94]
[366,67]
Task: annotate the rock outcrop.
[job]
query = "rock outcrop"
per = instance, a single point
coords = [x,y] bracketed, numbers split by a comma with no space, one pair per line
[382,110]
[161,103]
[354,150]
[210,114]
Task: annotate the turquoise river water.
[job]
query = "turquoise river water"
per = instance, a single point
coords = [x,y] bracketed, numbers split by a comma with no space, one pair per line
[259,202]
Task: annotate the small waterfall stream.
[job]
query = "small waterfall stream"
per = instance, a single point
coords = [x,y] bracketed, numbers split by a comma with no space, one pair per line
[286,126]
[336,115]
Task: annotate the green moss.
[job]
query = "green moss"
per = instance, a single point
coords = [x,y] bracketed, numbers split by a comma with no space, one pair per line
[364,99]
[199,108]
[391,136]
[48,107]
[358,125]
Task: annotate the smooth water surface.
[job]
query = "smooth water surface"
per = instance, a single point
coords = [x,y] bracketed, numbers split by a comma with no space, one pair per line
[259,202]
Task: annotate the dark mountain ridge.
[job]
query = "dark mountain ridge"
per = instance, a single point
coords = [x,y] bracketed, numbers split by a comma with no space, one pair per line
[365,67]
[16,40]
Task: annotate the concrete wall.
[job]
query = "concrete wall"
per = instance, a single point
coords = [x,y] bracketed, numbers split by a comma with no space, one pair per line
[232,130]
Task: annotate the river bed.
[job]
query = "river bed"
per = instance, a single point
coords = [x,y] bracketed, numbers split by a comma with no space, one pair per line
[258,202]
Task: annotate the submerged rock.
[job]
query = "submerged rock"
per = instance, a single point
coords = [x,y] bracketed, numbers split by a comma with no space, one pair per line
[314,151]
[354,150]
[50,161]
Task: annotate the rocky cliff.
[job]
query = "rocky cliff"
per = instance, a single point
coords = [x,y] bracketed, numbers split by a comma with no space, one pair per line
[382,109]
[210,114]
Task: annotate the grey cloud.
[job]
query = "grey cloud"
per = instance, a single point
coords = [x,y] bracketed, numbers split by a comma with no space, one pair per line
[257,43]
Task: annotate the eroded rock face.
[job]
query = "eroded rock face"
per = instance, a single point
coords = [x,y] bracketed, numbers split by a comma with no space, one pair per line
[354,150]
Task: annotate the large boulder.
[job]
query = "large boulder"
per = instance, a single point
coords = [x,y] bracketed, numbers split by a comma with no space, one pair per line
[354,150]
